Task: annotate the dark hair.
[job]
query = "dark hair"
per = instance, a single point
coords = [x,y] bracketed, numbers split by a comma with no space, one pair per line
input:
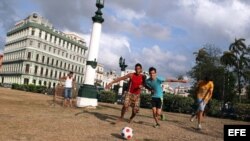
[207,78]
[138,65]
[71,72]
[151,69]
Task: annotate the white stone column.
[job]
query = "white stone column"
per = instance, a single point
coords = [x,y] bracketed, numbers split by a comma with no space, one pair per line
[121,84]
[93,53]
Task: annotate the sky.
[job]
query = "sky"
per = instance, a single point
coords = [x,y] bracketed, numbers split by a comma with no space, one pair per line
[163,33]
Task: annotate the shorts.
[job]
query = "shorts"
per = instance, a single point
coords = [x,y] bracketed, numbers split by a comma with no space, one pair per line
[201,104]
[68,93]
[132,100]
[156,102]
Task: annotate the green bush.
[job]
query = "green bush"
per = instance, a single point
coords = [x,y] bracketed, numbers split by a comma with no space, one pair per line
[145,101]
[40,89]
[176,103]
[29,88]
[242,111]
[171,103]
[15,86]
[107,96]
[214,108]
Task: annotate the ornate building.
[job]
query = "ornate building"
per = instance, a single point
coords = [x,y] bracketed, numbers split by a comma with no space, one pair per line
[36,53]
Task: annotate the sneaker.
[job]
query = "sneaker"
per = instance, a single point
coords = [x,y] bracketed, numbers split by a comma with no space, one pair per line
[163,117]
[157,125]
[199,127]
[192,118]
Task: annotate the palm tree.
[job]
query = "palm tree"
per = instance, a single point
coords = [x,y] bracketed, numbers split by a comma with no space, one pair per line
[236,58]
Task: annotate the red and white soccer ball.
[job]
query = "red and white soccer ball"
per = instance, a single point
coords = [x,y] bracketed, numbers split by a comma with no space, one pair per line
[127,133]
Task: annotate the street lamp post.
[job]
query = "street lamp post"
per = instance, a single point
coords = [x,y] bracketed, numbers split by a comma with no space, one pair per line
[123,67]
[87,94]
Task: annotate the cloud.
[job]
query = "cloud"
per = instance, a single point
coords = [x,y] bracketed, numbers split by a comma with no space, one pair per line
[7,18]
[111,48]
[68,14]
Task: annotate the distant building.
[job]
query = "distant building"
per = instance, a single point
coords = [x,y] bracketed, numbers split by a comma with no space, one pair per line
[109,77]
[36,53]
[1,61]
[183,91]
[99,74]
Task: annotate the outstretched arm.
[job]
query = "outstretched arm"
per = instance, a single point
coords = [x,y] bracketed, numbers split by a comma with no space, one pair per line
[175,80]
[118,80]
[63,78]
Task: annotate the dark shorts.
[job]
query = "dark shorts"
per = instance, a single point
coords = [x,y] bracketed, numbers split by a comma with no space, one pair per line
[156,102]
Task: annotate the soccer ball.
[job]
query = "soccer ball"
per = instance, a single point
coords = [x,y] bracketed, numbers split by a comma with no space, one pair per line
[127,133]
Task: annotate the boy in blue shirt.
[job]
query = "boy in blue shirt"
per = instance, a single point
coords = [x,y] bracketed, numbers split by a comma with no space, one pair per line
[154,83]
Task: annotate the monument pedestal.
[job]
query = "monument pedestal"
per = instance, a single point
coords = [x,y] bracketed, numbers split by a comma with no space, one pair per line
[87,96]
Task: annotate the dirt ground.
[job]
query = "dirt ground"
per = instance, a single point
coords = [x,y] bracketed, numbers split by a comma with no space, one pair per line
[28,116]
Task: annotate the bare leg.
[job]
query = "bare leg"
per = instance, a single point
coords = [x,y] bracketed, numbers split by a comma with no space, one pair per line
[70,102]
[199,116]
[64,102]
[123,111]
[158,112]
[154,110]
[134,111]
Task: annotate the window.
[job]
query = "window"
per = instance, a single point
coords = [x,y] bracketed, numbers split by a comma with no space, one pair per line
[61,64]
[27,68]
[46,73]
[64,65]
[43,58]
[73,57]
[34,81]
[40,33]
[38,45]
[66,55]
[26,81]
[58,52]
[44,47]
[60,74]
[45,83]
[72,67]
[36,68]
[68,66]
[48,60]
[54,50]
[55,74]
[49,49]
[40,82]
[57,63]
[32,32]
[52,62]
[51,73]
[46,36]
[37,57]
[29,56]
[41,72]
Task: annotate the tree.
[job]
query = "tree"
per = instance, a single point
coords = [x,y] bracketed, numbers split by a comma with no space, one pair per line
[208,64]
[237,60]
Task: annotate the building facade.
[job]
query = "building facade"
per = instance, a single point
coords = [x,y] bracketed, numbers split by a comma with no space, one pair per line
[1,62]
[99,74]
[36,53]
